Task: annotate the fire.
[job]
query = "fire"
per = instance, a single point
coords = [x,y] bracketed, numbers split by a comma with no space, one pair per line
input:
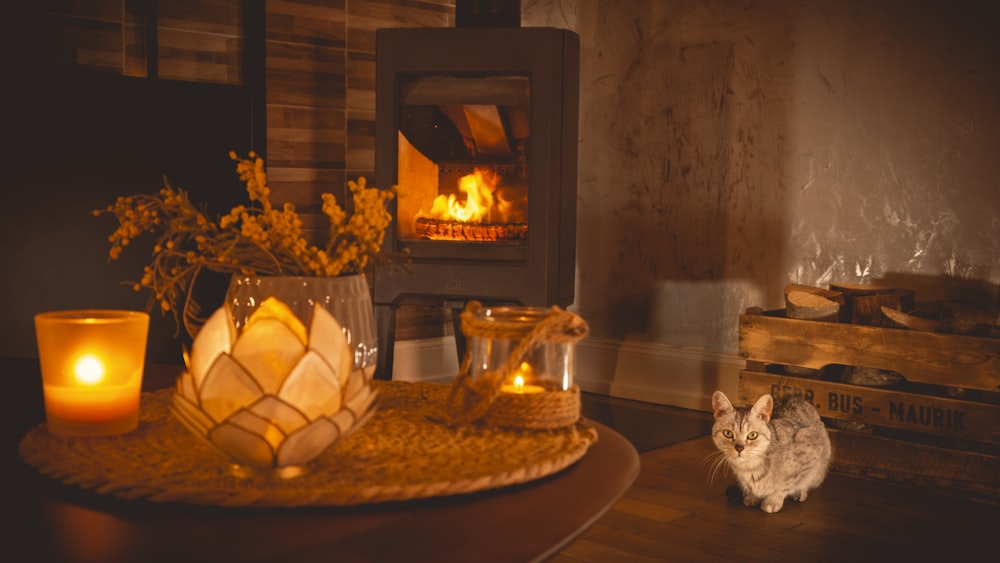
[482,203]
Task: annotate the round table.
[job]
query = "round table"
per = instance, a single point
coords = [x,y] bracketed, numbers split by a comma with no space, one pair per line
[526,522]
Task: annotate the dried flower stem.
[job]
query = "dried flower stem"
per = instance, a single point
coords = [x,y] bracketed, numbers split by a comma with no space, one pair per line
[258,239]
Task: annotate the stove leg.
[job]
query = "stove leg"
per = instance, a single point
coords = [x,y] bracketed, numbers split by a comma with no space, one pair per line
[460,344]
[385,322]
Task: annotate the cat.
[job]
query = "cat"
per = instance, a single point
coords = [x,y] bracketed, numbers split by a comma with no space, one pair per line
[776,448]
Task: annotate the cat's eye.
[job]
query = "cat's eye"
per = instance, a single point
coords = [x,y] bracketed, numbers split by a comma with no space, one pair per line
[728,434]
[752,436]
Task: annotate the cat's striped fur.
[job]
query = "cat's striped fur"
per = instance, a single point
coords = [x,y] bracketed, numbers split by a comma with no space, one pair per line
[776,448]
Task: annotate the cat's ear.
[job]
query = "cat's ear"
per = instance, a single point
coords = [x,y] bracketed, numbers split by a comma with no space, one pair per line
[721,405]
[763,408]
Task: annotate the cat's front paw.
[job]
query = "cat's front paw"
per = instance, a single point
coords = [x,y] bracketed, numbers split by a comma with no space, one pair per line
[772,504]
[801,497]
[750,500]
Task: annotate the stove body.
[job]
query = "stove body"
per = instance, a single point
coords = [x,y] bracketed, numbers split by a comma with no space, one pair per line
[478,129]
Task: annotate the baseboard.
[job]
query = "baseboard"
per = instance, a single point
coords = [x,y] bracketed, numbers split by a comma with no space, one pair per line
[656,373]
[644,371]
[427,359]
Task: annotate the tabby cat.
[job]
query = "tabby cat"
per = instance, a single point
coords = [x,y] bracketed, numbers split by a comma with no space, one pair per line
[777,448]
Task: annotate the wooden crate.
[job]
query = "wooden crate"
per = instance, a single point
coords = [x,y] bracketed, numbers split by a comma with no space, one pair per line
[938,428]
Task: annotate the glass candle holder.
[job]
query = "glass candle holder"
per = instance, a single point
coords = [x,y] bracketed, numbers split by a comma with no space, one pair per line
[274,394]
[92,365]
[548,365]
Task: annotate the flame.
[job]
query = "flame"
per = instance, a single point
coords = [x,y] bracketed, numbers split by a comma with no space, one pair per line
[89,370]
[519,384]
[480,204]
[523,371]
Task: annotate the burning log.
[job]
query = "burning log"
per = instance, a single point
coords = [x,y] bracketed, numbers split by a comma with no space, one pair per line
[442,229]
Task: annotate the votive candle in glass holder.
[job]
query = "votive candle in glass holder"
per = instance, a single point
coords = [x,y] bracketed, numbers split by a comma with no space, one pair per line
[92,364]
[549,365]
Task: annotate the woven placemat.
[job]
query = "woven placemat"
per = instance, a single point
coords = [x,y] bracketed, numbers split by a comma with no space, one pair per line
[404,452]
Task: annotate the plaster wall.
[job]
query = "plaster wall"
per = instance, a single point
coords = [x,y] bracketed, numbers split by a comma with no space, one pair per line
[730,147]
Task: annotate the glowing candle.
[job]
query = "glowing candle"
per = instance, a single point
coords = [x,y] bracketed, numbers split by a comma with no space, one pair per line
[518,386]
[91,362]
[496,333]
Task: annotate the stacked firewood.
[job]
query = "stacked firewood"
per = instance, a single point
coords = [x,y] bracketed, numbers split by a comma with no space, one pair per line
[884,307]
[889,307]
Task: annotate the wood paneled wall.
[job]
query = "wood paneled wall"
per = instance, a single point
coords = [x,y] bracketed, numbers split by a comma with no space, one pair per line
[319,76]
[319,71]
[200,41]
[321,107]
[321,92]
[196,40]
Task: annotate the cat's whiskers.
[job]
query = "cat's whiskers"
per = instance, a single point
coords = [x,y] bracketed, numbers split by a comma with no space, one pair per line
[718,465]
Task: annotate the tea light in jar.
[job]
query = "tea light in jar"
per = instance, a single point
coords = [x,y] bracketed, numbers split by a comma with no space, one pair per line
[92,364]
[518,386]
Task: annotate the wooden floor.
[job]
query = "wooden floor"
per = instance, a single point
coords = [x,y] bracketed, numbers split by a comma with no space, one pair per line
[675,512]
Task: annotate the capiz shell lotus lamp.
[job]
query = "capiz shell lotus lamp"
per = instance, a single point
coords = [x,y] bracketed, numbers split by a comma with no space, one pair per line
[274,395]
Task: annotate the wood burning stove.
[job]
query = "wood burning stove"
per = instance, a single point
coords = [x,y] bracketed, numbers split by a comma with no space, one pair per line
[477,127]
